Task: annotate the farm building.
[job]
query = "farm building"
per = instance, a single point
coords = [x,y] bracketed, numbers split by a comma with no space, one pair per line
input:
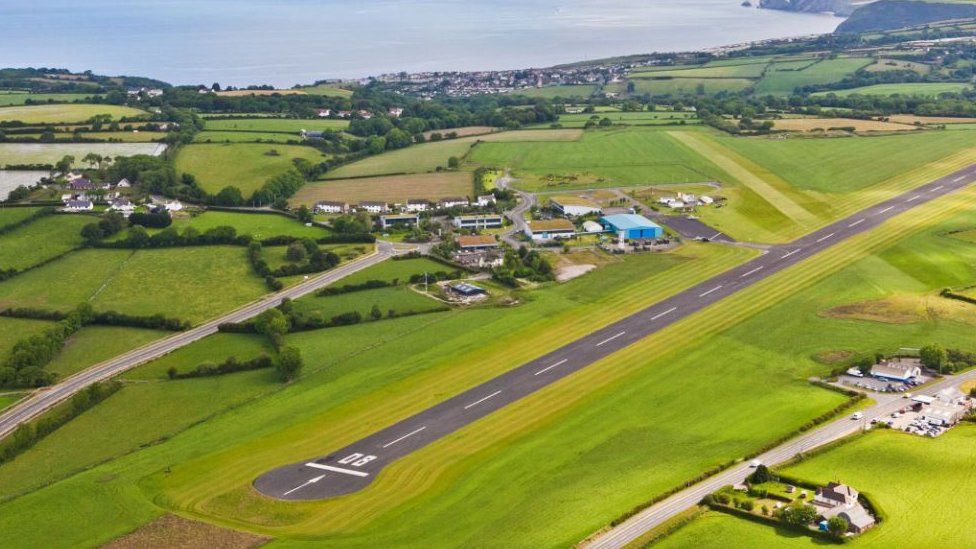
[550,229]
[401,220]
[898,369]
[468,290]
[632,226]
[574,206]
[478,221]
[477,243]
[328,206]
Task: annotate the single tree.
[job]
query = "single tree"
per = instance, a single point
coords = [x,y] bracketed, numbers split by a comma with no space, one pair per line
[837,526]
[375,313]
[304,214]
[289,363]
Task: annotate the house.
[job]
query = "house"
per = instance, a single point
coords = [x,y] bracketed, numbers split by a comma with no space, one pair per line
[632,226]
[330,207]
[323,113]
[417,205]
[74,174]
[399,220]
[365,115]
[573,206]
[453,202]
[836,494]
[173,206]
[78,206]
[840,500]
[706,200]
[897,369]
[345,114]
[373,207]
[122,205]
[550,229]
[123,184]
[81,184]
[477,243]
[672,202]
[485,200]
[478,221]
[395,112]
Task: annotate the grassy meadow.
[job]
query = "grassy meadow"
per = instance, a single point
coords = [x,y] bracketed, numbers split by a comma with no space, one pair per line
[925,89]
[260,225]
[643,118]
[402,300]
[391,188]
[11,216]
[286,125]
[552,92]
[13,330]
[246,166]
[94,344]
[67,112]
[209,136]
[10,98]
[49,153]
[41,239]
[781,79]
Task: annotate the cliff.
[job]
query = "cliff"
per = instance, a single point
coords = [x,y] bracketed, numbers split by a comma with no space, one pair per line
[839,7]
[896,14]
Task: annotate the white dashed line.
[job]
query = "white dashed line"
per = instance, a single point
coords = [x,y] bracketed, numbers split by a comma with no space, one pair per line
[713,290]
[939,188]
[411,433]
[796,251]
[756,270]
[888,209]
[547,368]
[669,311]
[958,179]
[825,237]
[856,223]
[914,198]
[479,401]
[336,469]
[609,339]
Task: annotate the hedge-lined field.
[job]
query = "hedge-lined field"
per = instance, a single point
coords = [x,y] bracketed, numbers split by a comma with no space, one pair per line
[73,112]
[246,166]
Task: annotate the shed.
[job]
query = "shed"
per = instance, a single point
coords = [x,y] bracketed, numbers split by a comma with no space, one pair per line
[632,226]
[468,290]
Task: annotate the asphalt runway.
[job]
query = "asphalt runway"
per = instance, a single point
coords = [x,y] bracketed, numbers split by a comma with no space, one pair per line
[353,467]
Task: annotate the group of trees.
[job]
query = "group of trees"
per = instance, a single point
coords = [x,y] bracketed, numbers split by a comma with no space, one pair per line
[24,367]
[523,263]
[942,360]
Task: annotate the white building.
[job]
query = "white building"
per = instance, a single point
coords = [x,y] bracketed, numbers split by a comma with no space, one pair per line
[123,205]
[550,229]
[485,200]
[123,184]
[478,221]
[573,206]
[370,206]
[453,202]
[417,205]
[173,206]
[898,369]
[330,207]
[78,206]
[396,112]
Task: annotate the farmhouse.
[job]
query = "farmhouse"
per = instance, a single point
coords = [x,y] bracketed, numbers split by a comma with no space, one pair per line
[373,207]
[173,206]
[485,200]
[550,229]
[78,206]
[478,221]
[122,205]
[81,184]
[477,243]
[330,207]
[840,500]
[453,202]
[631,226]
[417,205]
[402,220]
[123,184]
[573,206]
[897,369]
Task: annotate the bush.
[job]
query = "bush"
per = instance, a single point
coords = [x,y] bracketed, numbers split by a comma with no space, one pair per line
[289,363]
[153,220]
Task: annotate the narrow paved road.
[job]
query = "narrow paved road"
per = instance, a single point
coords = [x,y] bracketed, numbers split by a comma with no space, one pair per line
[516,214]
[667,509]
[44,399]
[353,467]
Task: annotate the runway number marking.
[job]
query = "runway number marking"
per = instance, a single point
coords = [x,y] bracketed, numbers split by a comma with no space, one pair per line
[411,433]
[609,339]
[756,270]
[356,460]
[669,311]
[547,368]
[475,403]
[713,290]
[888,209]
[796,251]
[825,237]
[856,223]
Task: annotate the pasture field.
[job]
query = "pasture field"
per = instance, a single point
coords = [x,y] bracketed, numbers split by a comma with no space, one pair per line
[399,270]
[551,92]
[400,299]
[684,86]
[244,137]
[644,118]
[882,65]
[246,166]
[68,112]
[94,344]
[13,330]
[9,400]
[779,81]
[127,137]
[140,282]
[11,216]
[42,239]
[49,153]
[286,125]
[925,89]
[428,156]
[245,93]
[464,131]
[327,90]
[745,69]
[903,473]
[391,188]
[258,225]
[214,348]
[8,99]
[811,124]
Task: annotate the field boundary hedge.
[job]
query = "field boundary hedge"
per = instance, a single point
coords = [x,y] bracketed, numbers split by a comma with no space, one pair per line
[230,365]
[105,318]
[43,212]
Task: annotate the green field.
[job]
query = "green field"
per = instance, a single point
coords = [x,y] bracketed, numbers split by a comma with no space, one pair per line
[11,216]
[13,330]
[17,98]
[643,118]
[926,89]
[258,225]
[7,401]
[244,137]
[74,112]
[214,348]
[744,69]
[213,279]
[49,153]
[780,81]
[42,239]
[243,165]
[286,125]
[396,270]
[684,86]
[327,90]
[915,480]
[552,92]
[95,344]
[402,300]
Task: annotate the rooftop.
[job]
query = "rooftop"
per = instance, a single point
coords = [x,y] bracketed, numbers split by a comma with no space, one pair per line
[476,241]
[566,200]
[624,222]
[557,224]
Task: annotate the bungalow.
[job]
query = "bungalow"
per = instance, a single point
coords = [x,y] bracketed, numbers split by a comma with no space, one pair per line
[81,184]
[123,205]
[478,221]
[373,207]
[477,243]
[574,206]
[706,200]
[417,205]
[453,202]
[395,112]
[401,220]
[550,229]
[344,114]
[330,207]
[485,200]
[173,206]
[898,369]
[78,206]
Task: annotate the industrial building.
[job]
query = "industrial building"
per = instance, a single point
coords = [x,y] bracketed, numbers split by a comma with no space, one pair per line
[573,206]
[550,229]
[632,226]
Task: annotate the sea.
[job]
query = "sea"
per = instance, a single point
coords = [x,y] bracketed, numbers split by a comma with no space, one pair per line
[285,42]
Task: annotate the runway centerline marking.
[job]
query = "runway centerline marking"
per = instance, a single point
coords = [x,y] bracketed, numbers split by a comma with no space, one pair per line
[756,270]
[796,251]
[825,237]
[914,198]
[888,209]
[939,188]
[336,469]
[304,484]
[713,290]
[479,401]
[547,368]
[611,338]
[669,311]
[856,223]
[411,433]
[958,179]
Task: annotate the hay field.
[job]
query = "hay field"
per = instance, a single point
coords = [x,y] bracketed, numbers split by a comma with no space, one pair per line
[391,188]
[810,124]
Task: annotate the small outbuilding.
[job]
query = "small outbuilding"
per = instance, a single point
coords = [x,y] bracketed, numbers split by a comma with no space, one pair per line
[466,289]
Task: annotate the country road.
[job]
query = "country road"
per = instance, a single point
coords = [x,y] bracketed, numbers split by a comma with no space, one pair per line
[43,399]
[516,214]
[351,468]
[659,513]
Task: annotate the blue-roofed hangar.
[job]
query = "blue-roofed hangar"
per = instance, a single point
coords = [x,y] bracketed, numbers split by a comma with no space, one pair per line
[632,226]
